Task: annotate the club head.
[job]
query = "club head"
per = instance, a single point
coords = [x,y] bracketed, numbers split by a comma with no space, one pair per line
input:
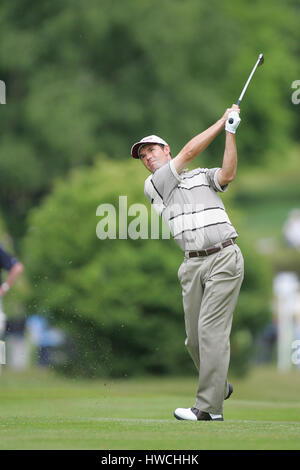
[261,59]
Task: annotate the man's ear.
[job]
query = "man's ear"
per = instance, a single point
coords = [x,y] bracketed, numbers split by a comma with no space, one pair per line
[167,151]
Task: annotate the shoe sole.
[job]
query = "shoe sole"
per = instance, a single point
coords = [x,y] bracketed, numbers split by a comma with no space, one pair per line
[182,419]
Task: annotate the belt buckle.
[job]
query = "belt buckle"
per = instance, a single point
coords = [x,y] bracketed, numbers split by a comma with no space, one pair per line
[214,249]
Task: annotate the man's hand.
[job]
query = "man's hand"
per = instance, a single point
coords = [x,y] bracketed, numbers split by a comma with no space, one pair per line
[232,122]
[234,107]
[4,288]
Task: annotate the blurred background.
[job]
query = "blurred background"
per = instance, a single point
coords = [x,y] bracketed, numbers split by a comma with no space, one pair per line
[84,81]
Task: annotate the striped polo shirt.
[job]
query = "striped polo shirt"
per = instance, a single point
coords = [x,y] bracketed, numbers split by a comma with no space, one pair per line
[190,205]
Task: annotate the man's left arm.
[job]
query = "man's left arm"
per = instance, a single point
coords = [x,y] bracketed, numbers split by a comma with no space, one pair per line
[228,171]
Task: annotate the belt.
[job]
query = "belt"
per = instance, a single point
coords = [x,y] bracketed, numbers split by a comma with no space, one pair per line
[213,249]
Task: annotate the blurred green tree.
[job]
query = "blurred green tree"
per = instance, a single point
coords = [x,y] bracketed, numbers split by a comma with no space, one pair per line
[91,77]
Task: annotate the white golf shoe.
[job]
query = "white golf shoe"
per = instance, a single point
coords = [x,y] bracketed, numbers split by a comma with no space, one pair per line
[185,413]
[193,414]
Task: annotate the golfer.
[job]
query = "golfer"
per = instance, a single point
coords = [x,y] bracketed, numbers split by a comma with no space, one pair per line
[212,270]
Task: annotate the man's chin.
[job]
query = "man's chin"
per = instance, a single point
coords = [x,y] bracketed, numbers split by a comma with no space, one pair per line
[155,167]
[152,169]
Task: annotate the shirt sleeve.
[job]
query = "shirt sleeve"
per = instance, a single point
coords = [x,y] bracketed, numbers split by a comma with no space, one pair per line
[212,177]
[6,260]
[162,182]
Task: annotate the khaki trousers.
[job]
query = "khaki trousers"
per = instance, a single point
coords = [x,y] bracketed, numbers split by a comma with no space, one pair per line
[210,289]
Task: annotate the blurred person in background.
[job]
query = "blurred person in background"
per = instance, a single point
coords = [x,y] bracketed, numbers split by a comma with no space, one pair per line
[291,229]
[14,268]
[47,341]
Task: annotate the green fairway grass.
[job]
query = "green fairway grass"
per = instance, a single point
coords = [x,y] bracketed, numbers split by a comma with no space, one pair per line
[39,410]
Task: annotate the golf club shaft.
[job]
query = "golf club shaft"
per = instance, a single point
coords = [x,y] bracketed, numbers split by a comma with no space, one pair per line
[259,61]
[247,82]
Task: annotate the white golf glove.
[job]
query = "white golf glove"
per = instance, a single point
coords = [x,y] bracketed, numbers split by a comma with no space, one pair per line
[232,122]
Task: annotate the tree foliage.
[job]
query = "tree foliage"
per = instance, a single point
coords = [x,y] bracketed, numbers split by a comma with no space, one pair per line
[90,78]
[94,76]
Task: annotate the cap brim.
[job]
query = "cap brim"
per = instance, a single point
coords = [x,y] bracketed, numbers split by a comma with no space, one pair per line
[135,149]
[152,140]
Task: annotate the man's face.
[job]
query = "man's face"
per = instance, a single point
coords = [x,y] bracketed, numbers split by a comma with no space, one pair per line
[154,156]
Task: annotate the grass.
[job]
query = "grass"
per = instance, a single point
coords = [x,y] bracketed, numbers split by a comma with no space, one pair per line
[39,410]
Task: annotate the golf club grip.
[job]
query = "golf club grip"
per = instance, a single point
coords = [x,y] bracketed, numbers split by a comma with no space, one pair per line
[231,120]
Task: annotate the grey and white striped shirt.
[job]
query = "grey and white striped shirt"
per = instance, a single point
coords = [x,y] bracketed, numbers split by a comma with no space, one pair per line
[190,205]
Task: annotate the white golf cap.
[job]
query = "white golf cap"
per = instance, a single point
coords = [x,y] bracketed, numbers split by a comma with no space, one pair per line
[150,139]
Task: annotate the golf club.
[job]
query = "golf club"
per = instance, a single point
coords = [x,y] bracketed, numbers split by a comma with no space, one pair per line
[259,61]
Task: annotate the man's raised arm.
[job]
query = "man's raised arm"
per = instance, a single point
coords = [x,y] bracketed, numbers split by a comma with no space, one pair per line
[199,143]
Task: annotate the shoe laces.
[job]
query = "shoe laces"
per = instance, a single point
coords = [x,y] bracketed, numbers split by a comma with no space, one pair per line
[195,411]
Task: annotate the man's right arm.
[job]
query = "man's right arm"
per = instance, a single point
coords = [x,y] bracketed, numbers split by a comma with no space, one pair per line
[199,143]
[14,273]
